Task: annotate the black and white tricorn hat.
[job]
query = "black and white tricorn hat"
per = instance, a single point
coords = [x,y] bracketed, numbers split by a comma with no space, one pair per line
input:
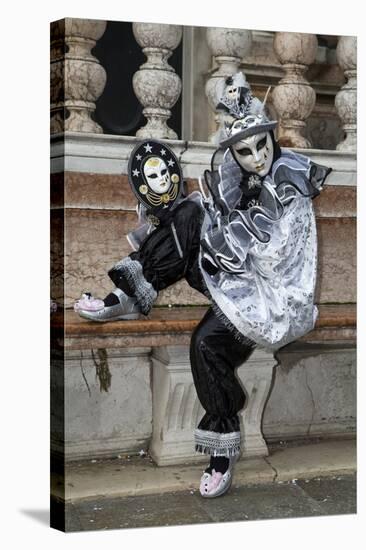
[155,176]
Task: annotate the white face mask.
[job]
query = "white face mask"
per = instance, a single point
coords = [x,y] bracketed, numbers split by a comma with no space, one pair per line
[157,175]
[255,153]
[232,93]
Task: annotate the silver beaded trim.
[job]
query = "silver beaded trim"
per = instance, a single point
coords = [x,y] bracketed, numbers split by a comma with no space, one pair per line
[142,289]
[217,444]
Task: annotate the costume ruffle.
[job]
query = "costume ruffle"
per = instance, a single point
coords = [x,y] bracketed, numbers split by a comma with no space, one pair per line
[267,256]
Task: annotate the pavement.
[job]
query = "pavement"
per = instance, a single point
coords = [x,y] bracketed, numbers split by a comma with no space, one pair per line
[302,498]
[312,479]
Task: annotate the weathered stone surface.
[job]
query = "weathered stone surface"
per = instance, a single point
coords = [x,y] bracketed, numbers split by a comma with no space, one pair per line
[57,250]
[336,202]
[101,212]
[113,192]
[346,99]
[323,128]
[77,78]
[109,154]
[313,391]
[293,97]
[336,260]
[313,394]
[176,408]
[176,323]
[106,423]
[326,496]
[155,84]
[94,242]
[228,46]
[181,293]
[98,191]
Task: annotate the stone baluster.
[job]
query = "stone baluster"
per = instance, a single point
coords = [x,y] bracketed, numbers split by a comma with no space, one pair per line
[228,46]
[346,98]
[156,84]
[77,78]
[293,97]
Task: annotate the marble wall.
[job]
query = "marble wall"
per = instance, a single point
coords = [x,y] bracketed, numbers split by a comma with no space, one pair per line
[100,212]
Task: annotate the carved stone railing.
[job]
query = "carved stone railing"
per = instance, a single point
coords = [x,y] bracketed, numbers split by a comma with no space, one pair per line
[228,47]
[77,78]
[156,84]
[293,97]
[346,99]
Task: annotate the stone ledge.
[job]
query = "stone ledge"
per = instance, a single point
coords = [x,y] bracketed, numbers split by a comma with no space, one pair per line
[109,154]
[173,326]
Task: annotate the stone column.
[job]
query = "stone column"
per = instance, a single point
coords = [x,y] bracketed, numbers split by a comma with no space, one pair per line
[256,377]
[156,85]
[77,78]
[228,46]
[293,97]
[346,98]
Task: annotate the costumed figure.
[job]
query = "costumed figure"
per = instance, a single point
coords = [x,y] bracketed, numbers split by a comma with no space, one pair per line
[248,243]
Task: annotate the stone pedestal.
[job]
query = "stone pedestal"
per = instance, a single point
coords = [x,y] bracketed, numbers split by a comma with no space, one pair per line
[156,85]
[346,98]
[77,78]
[256,377]
[177,410]
[293,97]
[228,46]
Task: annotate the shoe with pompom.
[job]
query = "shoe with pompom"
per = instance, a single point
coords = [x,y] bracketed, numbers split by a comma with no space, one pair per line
[217,484]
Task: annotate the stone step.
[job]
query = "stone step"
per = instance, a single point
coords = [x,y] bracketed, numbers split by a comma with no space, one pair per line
[131,476]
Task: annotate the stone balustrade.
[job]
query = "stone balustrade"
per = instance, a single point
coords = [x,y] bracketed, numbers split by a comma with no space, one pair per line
[78,79]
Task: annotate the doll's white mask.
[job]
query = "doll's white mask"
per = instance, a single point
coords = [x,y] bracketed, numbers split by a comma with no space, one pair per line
[232,93]
[255,153]
[157,175]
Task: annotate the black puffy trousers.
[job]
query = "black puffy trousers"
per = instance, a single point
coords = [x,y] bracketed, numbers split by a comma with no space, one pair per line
[215,352]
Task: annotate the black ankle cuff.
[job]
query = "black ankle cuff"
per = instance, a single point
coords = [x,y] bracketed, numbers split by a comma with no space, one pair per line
[111,300]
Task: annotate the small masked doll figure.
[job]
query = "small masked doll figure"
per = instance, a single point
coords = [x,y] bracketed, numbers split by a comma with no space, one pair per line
[249,245]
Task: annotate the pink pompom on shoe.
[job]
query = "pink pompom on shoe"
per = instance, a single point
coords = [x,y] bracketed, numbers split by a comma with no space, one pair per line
[217,484]
[214,482]
[88,303]
[210,483]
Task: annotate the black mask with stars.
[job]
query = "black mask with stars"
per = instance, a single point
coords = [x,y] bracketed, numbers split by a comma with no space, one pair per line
[155,152]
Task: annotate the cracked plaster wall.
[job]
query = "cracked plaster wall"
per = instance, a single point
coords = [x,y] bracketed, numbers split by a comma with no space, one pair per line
[312,395]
